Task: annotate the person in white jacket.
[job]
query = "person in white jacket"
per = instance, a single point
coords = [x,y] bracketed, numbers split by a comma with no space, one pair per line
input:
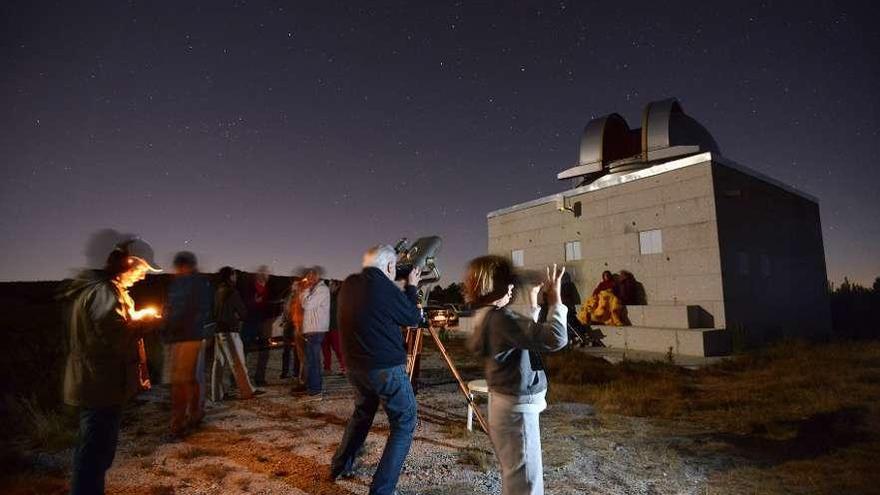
[314,297]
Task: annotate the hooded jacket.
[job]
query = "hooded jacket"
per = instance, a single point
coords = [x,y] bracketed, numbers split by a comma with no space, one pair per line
[102,364]
[510,345]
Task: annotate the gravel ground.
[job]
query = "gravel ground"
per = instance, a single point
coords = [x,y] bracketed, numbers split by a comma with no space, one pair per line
[281,444]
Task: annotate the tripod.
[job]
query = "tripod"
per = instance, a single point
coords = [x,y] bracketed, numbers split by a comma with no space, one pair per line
[414,337]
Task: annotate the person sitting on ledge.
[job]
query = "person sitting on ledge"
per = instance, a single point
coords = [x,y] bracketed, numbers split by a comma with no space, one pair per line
[627,289]
[603,307]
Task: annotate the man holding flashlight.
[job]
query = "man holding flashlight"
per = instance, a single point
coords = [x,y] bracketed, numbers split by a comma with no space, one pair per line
[102,370]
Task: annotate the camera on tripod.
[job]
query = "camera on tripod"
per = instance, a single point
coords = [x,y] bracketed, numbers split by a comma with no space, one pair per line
[420,255]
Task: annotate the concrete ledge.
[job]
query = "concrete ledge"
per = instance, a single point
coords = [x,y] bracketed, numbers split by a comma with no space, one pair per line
[615,356]
[679,341]
[685,316]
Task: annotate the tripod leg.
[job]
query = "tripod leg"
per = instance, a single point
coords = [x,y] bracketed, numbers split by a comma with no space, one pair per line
[461,385]
[413,347]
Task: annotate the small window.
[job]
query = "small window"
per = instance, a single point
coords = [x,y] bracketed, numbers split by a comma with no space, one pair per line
[572,250]
[766,268]
[517,257]
[742,262]
[651,241]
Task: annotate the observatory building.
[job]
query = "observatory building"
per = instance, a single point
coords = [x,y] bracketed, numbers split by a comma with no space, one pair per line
[726,257]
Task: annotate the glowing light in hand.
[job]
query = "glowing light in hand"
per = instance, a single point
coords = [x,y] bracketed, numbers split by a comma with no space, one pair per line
[148,312]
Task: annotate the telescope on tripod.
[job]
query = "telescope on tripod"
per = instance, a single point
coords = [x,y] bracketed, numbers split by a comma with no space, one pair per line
[421,255]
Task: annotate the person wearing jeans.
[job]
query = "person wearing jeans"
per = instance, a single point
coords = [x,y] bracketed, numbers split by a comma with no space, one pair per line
[372,310]
[391,388]
[102,368]
[510,346]
[314,298]
[314,381]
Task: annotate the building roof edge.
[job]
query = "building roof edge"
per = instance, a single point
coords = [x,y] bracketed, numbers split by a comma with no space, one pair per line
[660,168]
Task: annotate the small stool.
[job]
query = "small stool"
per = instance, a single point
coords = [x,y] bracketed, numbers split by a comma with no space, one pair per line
[480,387]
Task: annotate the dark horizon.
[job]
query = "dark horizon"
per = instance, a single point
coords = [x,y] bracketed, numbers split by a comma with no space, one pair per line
[301,135]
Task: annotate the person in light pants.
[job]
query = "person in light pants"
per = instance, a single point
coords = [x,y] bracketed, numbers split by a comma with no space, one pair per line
[510,346]
[229,312]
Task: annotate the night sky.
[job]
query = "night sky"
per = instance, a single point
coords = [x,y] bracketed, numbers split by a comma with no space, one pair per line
[293,134]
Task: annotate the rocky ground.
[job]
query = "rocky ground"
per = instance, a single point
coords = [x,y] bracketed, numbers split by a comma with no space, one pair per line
[281,444]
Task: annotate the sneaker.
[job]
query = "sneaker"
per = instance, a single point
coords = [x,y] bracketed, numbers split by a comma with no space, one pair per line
[259,391]
[313,397]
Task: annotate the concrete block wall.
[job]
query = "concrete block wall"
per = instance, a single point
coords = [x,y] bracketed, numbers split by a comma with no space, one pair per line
[681,203]
[773,259]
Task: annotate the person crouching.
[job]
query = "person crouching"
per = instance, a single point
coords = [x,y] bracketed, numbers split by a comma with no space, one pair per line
[510,346]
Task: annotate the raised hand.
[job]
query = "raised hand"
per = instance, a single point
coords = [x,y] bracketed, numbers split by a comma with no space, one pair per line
[415,276]
[553,284]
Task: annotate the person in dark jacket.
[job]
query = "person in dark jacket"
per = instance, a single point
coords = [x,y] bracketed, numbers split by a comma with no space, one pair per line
[510,346]
[187,314]
[102,368]
[229,312]
[372,310]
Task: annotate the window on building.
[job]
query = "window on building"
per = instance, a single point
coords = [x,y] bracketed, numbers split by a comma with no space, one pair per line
[742,262]
[651,241]
[516,256]
[766,268]
[572,250]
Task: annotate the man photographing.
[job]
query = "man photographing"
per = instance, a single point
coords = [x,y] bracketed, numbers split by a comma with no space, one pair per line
[371,311]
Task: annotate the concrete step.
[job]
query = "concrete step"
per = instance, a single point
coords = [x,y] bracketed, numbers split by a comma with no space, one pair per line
[678,341]
[661,316]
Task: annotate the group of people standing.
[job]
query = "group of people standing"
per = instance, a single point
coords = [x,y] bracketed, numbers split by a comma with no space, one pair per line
[307,319]
[373,307]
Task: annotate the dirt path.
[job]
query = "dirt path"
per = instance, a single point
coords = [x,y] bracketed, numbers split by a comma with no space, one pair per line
[280,444]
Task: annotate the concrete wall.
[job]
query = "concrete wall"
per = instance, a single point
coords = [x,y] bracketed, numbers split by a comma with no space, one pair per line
[680,202]
[773,259]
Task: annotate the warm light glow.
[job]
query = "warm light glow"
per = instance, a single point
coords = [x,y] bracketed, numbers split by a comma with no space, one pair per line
[148,312]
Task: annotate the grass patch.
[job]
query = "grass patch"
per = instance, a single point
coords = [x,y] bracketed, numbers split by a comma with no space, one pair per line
[161,490]
[214,471]
[632,388]
[190,453]
[477,457]
[43,428]
[805,418]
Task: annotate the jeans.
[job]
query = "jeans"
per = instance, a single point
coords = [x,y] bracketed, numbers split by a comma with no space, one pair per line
[516,435]
[314,380]
[229,354]
[391,388]
[93,456]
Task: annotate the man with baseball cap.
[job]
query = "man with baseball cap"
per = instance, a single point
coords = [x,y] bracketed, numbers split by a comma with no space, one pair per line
[104,332]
